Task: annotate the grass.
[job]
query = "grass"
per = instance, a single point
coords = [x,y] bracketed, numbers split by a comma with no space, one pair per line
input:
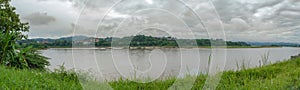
[279,76]
[15,79]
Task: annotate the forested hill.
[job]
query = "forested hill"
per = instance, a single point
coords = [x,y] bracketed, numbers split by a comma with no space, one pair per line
[133,41]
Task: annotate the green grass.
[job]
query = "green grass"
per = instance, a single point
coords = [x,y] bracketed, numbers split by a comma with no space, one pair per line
[12,79]
[279,76]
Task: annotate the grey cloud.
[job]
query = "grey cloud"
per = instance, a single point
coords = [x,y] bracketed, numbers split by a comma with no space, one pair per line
[242,19]
[266,3]
[236,25]
[290,14]
[262,18]
[39,18]
[91,4]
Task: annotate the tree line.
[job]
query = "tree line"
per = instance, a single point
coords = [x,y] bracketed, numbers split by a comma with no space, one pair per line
[132,41]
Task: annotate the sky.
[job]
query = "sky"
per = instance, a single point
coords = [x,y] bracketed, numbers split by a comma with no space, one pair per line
[236,20]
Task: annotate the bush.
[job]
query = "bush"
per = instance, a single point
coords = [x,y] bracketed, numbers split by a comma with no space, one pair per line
[11,29]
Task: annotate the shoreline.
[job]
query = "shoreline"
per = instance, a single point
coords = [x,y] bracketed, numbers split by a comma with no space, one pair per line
[145,48]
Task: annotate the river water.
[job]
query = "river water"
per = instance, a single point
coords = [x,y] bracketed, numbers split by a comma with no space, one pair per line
[157,63]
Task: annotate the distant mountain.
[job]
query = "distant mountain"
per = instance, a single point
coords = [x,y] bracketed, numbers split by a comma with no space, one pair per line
[62,38]
[48,40]
[273,44]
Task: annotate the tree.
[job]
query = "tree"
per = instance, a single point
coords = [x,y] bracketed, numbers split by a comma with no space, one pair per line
[12,30]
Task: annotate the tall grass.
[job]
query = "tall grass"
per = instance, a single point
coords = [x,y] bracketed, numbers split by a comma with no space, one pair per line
[264,59]
[243,65]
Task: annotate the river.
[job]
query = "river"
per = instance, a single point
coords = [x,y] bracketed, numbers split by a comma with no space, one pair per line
[156,63]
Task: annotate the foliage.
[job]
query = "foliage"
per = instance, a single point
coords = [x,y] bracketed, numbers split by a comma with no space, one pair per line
[279,76]
[11,29]
[24,79]
[132,41]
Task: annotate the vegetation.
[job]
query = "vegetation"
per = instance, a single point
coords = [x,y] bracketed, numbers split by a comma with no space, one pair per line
[22,66]
[279,76]
[274,44]
[11,29]
[132,41]
[25,79]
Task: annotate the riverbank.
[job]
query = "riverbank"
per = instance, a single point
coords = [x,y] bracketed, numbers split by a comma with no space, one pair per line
[165,47]
[282,75]
[279,76]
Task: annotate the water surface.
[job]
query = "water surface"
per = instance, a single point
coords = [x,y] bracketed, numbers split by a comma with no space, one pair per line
[157,63]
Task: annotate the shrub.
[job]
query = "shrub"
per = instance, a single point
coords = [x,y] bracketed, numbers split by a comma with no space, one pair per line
[11,29]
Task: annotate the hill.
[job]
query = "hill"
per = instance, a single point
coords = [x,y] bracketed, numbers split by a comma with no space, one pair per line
[132,41]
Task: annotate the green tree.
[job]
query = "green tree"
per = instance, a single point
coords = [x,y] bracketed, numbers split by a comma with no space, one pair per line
[12,30]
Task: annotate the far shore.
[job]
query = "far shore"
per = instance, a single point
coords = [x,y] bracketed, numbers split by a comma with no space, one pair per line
[149,47]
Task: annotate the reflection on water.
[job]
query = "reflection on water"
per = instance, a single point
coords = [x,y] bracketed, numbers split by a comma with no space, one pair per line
[158,63]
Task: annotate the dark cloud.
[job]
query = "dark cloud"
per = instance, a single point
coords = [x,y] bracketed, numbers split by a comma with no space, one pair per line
[39,18]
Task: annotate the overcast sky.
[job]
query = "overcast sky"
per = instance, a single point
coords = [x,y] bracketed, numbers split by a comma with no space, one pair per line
[238,20]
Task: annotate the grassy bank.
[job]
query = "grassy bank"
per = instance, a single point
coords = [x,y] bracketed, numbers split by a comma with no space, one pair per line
[15,79]
[278,76]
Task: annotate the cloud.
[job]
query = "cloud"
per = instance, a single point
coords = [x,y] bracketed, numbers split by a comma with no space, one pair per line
[236,25]
[39,18]
[60,15]
[291,14]
[247,20]
[243,20]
